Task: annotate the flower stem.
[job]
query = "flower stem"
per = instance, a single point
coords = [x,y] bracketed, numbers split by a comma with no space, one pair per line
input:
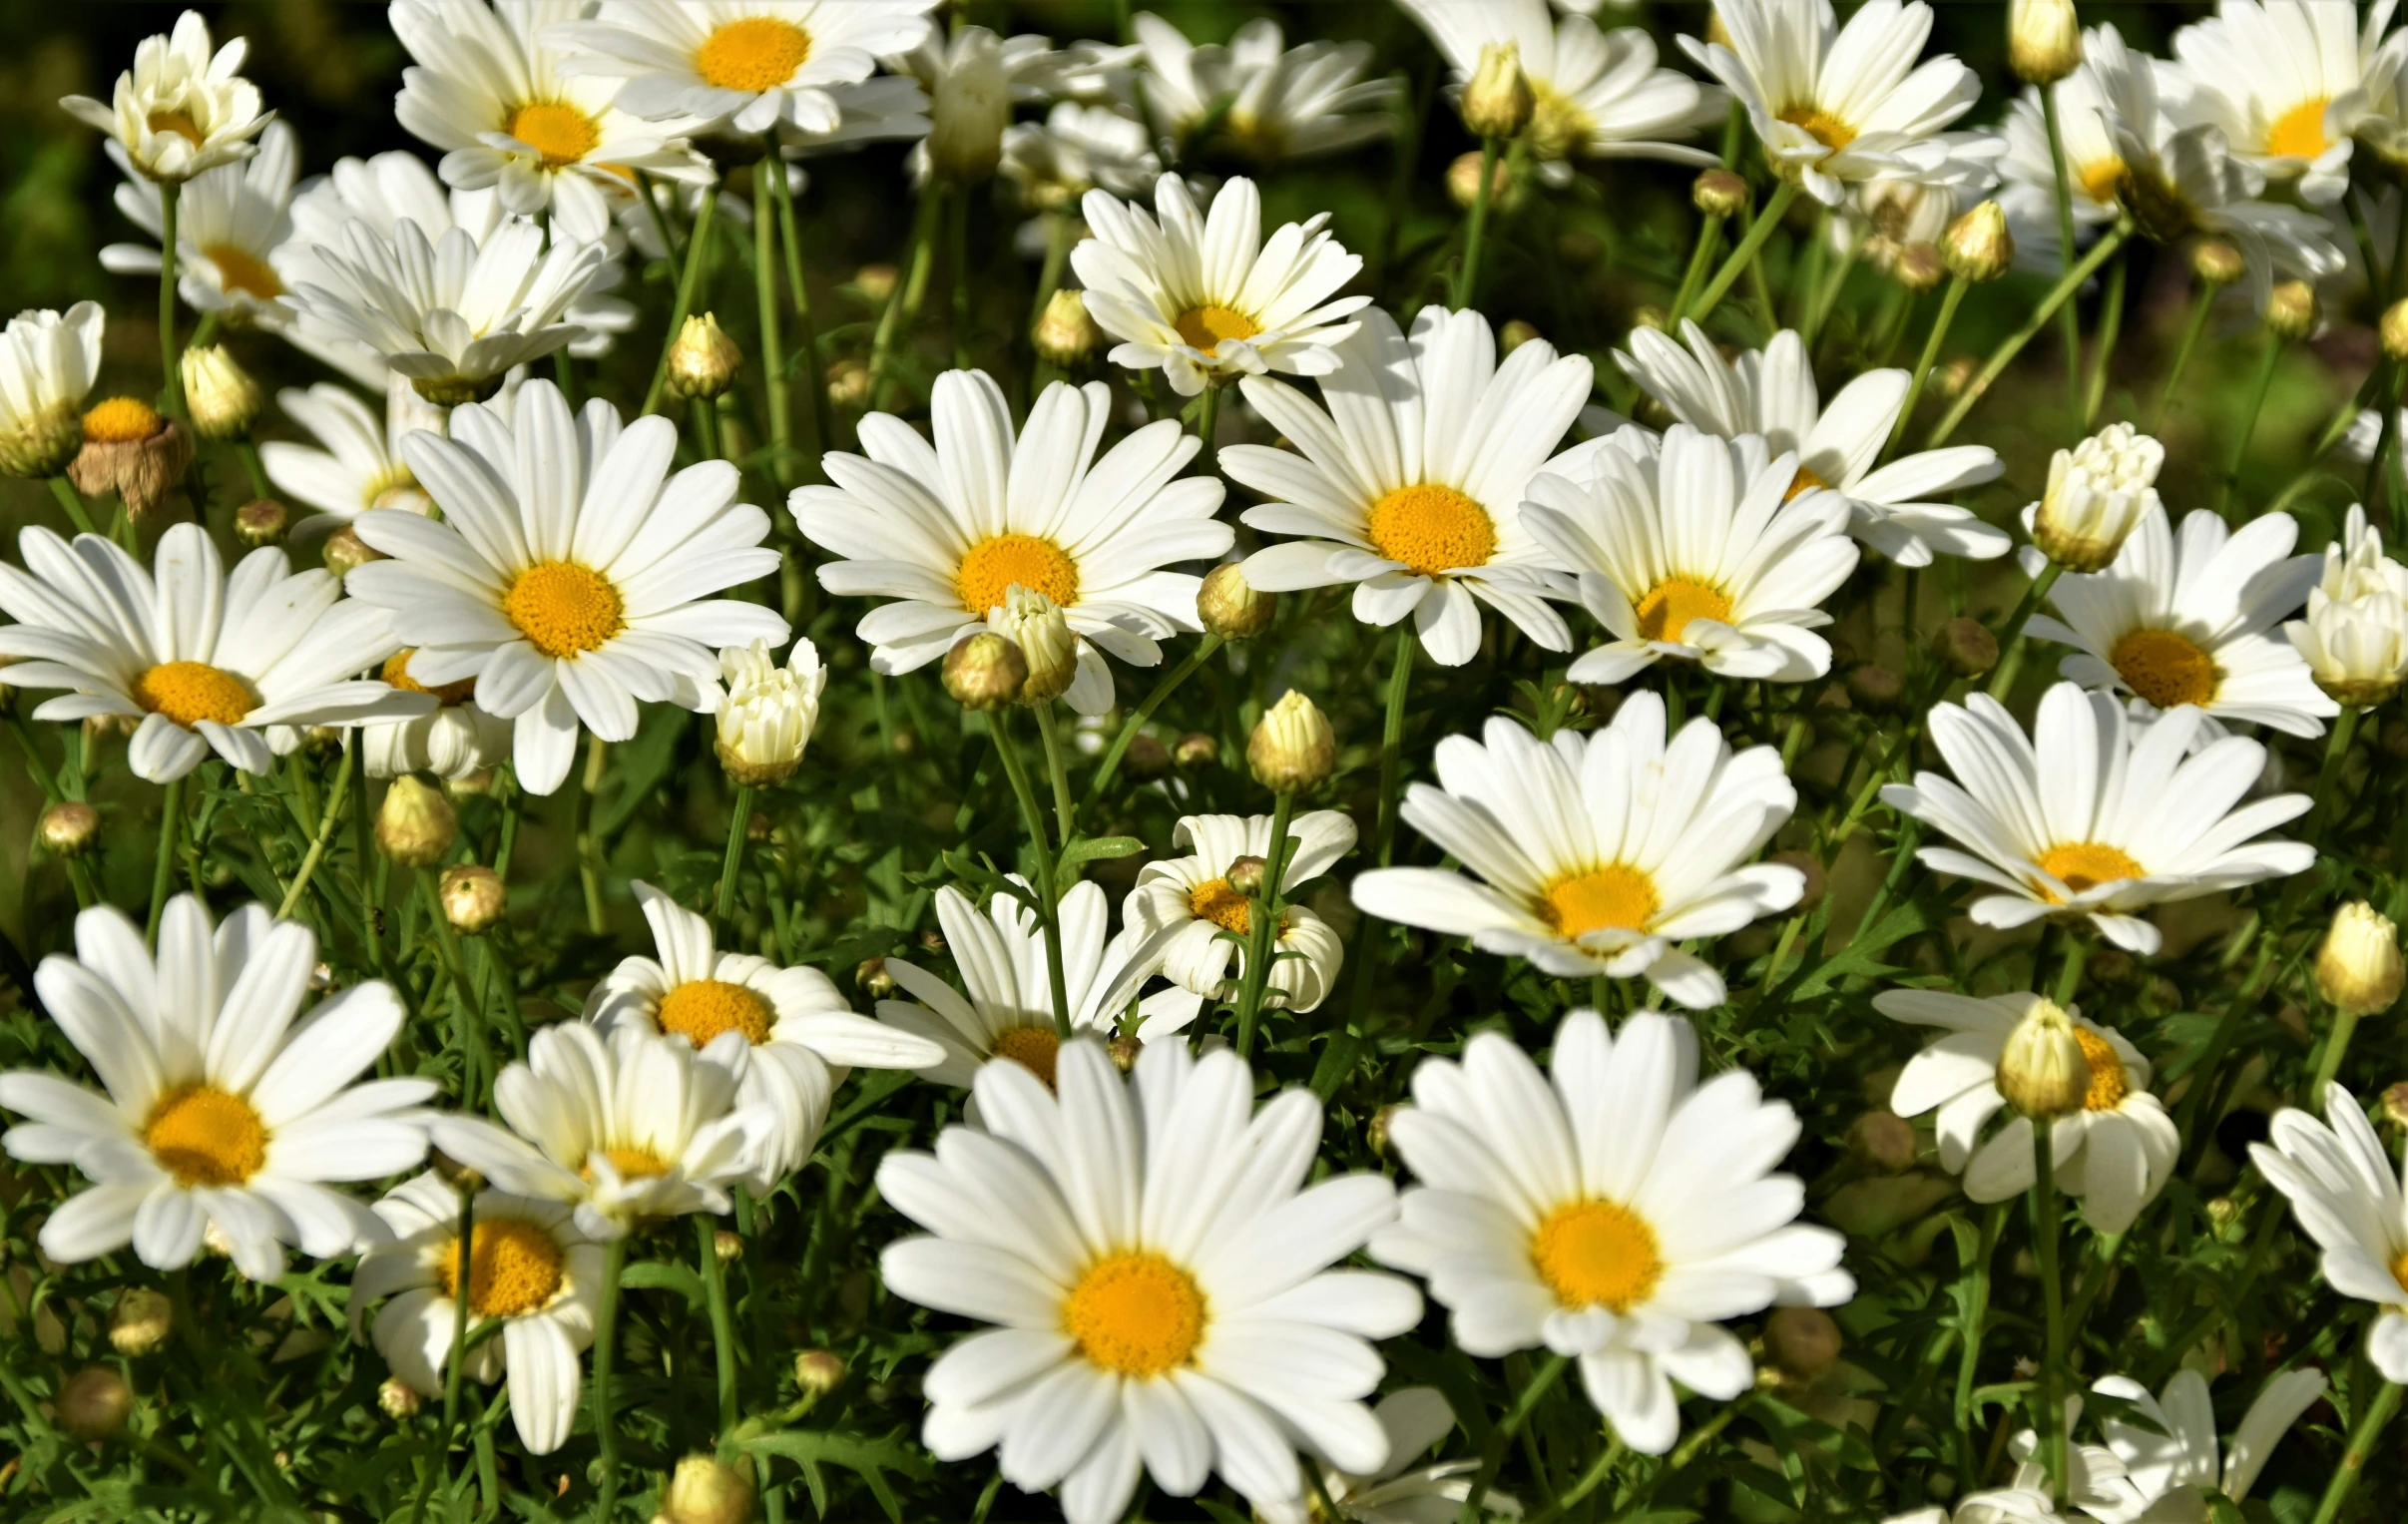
[1467,278]
[2329,1064]
[2013,344]
[1130,728]
[2065,243]
[1768,218]
[1391,741]
[2111,328]
[2046,1221]
[581,817]
[73,501]
[1973,1301]
[2361,1449]
[467,1011]
[732,864]
[1950,299]
[170,360]
[806,334]
[722,1317]
[1709,238]
[765,291]
[904,303]
[2181,352]
[1263,925]
[1541,1382]
[697,254]
[959,209]
[325,829]
[605,1358]
[2241,438]
[2011,634]
[463,1284]
[171,840]
[1057,769]
[1050,914]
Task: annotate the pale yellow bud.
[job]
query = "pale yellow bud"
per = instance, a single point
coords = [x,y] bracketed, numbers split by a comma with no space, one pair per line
[871,975]
[94,1403]
[262,521]
[984,672]
[397,1400]
[416,825]
[1977,246]
[43,441]
[2043,40]
[704,361]
[1497,102]
[1965,647]
[2395,331]
[219,394]
[473,897]
[2358,969]
[2218,263]
[1918,268]
[765,721]
[1516,333]
[2099,492]
[1718,192]
[703,1491]
[1064,334]
[140,1322]
[1463,183]
[1034,623]
[2042,1071]
[69,827]
[1194,749]
[345,552]
[1228,605]
[818,1371]
[2291,310]
[1292,748]
[727,1247]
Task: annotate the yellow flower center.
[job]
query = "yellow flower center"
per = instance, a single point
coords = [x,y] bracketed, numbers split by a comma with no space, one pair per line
[1136,1315]
[514,1267]
[394,487]
[179,122]
[1214,900]
[1825,128]
[1666,609]
[2165,668]
[2108,1081]
[1557,124]
[993,565]
[564,609]
[205,1136]
[191,692]
[632,1164]
[700,1009]
[239,269]
[1033,1048]
[1432,529]
[1206,326]
[1596,1254]
[558,131]
[754,54]
[397,674]
[122,420]
[2399,1269]
[2299,132]
[2100,178]
[1804,482]
[1620,897]
[2084,865]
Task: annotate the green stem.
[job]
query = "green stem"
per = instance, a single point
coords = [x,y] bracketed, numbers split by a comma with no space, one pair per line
[1475,237]
[1540,1381]
[2337,1043]
[2011,634]
[1768,218]
[2361,1449]
[1391,741]
[73,501]
[2069,974]
[170,838]
[2013,344]
[2065,242]
[1207,425]
[170,359]
[2046,1222]
[1261,927]
[1050,912]
[903,303]
[2249,425]
[770,169]
[605,1359]
[463,1286]
[704,413]
[2111,328]
[806,333]
[1709,238]
[1950,299]
[732,863]
[1057,769]
[467,1011]
[2181,352]
[722,1317]
[325,829]
[1135,722]
[697,254]
[257,473]
[1974,1306]
[959,217]
[580,813]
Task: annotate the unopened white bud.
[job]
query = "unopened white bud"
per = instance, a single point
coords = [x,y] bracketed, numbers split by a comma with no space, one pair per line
[1292,748]
[2042,1071]
[1034,623]
[2358,969]
[2099,492]
[767,717]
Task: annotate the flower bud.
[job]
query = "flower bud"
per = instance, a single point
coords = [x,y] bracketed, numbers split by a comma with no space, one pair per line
[1885,1139]
[2043,40]
[1497,102]
[970,106]
[704,361]
[1375,1132]
[766,718]
[1034,623]
[2218,263]
[1194,749]
[1064,334]
[2291,310]
[1803,1342]
[984,672]
[1463,183]
[1718,192]
[128,449]
[1515,334]
[1122,1050]
[473,897]
[1965,647]
[1146,758]
[1228,605]
[1918,268]
[2358,969]
[69,827]
[140,1322]
[871,976]
[1876,688]
[2395,1104]
[727,1247]
[262,521]
[848,385]
[1292,748]
[818,1371]
[43,442]
[221,397]
[1816,880]
[2395,331]
[345,552]
[397,1400]
[1948,382]
[2098,493]
[1245,875]
[1649,315]
[1977,246]
[703,1491]
[94,1403]
[2042,1071]
[416,826]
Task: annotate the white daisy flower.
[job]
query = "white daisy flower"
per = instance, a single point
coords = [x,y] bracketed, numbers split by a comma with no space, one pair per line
[1614,1209]
[2356,637]
[1694,549]
[2087,819]
[488,89]
[2346,1191]
[454,740]
[949,531]
[201,660]
[231,225]
[972,77]
[529,1269]
[1771,391]
[360,466]
[1834,105]
[1594,94]
[1207,920]
[742,66]
[1077,148]
[2195,620]
[2114,1154]
[2267,75]
[1401,1492]
[1160,1275]
[2108,84]
[2164,1471]
[1203,298]
[803,1037]
[48,362]
[1276,103]
[222,1112]
[181,107]
[1408,480]
[571,575]
[765,721]
[1008,1009]
[1596,853]
[2032,1504]
[623,1128]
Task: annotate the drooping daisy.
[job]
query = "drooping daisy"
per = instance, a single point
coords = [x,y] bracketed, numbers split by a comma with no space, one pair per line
[1614,1210]
[2167,1471]
[360,465]
[1831,104]
[488,89]
[1771,391]
[803,1037]
[222,1112]
[2346,1191]
[205,661]
[571,575]
[1275,103]
[623,1128]
[48,362]
[1160,1274]
[1192,894]
[181,107]
[880,109]
[2195,620]
[230,223]
[1077,148]
[948,531]
[1697,549]
[1402,1492]
[1200,296]
[2084,818]
[1594,94]
[455,740]
[2356,637]
[973,77]
[1410,478]
[2114,1154]
[1596,853]
[1008,1008]
[2267,77]
[529,1269]
[744,65]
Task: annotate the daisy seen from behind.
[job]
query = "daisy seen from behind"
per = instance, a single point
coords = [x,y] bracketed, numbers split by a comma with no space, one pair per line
[2346,1193]
[1698,549]
[456,740]
[1159,1278]
[2277,78]
[1596,853]
[2084,818]
[529,1269]
[803,1037]
[2168,1460]
[1205,954]
[1613,1209]
[182,108]
[225,1106]
[1407,479]
[571,575]
[1771,392]
[1202,297]
[48,362]
[198,658]
[2114,1154]
[948,530]
[1276,103]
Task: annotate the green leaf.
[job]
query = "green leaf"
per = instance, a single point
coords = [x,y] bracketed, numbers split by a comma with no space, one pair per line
[1090,849]
[656,1276]
[868,1458]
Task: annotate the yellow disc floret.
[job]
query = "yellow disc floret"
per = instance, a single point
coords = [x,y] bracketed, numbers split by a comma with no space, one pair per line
[2085,866]
[239,269]
[994,565]
[1618,898]
[752,54]
[205,1136]
[560,131]
[1214,900]
[1596,1254]
[1035,1049]
[122,420]
[1205,325]
[191,692]
[564,609]
[1804,482]
[700,1009]
[1432,529]
[631,1164]
[514,1267]
[1823,127]
[2108,1082]
[179,122]
[1666,609]
[2165,668]
[1136,1315]
[2299,132]
[396,673]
